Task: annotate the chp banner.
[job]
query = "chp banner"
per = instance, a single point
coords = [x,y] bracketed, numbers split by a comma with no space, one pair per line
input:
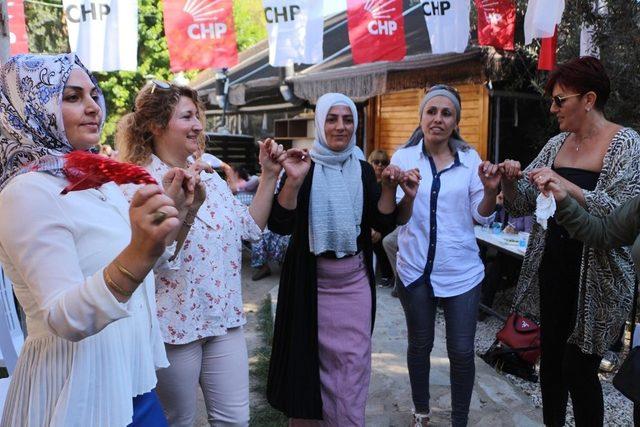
[448,24]
[103,33]
[19,43]
[376,30]
[200,34]
[496,23]
[295,31]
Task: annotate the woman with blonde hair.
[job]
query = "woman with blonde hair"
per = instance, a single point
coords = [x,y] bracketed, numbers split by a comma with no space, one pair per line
[198,294]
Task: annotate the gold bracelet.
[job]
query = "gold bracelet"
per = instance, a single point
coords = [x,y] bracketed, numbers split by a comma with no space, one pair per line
[126,272]
[114,286]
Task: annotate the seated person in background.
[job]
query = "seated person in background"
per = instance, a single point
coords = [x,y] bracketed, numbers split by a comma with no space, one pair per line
[511,225]
[240,180]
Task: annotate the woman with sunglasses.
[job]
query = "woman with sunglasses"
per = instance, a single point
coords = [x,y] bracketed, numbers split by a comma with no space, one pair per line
[379,159]
[79,262]
[198,294]
[582,294]
[438,258]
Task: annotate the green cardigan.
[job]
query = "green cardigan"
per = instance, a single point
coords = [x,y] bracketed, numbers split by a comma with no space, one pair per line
[620,228]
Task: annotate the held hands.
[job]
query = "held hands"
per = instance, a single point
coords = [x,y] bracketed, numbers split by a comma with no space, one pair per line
[511,170]
[179,185]
[269,157]
[153,217]
[490,176]
[547,182]
[296,163]
[410,182]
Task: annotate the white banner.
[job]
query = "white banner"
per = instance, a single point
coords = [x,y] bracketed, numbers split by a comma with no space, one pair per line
[104,33]
[588,46]
[448,24]
[295,29]
[541,19]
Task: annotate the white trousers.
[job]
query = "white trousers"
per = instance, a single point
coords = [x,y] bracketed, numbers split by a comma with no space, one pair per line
[221,366]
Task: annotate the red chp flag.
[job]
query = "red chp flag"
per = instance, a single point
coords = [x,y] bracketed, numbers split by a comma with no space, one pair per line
[17,27]
[376,30]
[547,55]
[200,34]
[496,23]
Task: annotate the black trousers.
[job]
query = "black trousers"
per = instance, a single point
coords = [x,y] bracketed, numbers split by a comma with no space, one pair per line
[383,261]
[564,369]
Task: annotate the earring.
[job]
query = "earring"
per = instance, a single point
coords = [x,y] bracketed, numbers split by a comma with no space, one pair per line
[588,109]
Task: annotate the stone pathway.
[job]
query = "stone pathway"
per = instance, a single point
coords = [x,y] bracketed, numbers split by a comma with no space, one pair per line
[495,401]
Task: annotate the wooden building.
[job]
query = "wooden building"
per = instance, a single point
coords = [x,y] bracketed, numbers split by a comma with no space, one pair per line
[388,94]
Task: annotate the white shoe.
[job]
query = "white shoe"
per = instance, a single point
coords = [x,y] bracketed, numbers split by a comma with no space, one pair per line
[420,420]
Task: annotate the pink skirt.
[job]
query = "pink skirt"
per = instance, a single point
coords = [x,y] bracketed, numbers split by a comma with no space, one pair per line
[344,341]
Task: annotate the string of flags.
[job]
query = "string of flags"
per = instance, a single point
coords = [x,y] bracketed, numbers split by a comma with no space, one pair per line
[201,33]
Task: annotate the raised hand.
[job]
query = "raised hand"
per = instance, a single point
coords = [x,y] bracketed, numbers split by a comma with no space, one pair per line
[391,176]
[269,154]
[410,182]
[490,176]
[200,193]
[547,181]
[510,170]
[296,163]
[179,185]
[153,217]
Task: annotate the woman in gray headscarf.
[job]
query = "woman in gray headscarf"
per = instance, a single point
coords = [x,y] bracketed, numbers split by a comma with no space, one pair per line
[79,262]
[321,358]
[438,260]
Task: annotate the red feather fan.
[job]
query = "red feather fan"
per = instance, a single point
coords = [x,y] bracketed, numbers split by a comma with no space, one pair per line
[85,170]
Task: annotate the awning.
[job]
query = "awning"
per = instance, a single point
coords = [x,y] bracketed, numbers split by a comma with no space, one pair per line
[361,82]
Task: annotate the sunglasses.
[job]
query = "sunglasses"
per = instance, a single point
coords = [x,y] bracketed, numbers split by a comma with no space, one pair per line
[559,100]
[379,162]
[159,84]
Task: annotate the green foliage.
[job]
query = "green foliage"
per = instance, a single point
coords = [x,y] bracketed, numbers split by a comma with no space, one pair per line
[45,30]
[48,34]
[250,24]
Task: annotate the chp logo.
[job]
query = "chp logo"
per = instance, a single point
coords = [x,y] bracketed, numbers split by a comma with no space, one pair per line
[206,20]
[381,22]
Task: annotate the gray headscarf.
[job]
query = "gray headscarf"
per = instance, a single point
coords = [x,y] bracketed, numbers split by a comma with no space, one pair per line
[455,142]
[335,209]
[32,135]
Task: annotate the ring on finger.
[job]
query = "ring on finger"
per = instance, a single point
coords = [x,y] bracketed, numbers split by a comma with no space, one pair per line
[158,217]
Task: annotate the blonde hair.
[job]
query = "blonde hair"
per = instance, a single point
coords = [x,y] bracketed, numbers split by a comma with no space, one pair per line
[152,111]
[378,155]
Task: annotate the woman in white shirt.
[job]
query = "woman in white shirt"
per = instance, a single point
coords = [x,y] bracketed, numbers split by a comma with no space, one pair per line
[79,262]
[438,258]
[199,295]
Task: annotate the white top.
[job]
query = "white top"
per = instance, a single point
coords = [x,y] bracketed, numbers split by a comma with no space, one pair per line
[200,294]
[442,247]
[86,354]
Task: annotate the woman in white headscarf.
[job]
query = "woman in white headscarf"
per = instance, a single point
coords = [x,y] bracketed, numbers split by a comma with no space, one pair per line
[321,358]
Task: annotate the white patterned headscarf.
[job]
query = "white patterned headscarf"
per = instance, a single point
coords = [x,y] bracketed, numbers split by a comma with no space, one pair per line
[335,211]
[32,135]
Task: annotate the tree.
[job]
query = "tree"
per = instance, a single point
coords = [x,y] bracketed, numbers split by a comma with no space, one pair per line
[47,33]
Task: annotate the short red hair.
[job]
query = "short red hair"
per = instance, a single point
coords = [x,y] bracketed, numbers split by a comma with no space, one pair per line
[583,74]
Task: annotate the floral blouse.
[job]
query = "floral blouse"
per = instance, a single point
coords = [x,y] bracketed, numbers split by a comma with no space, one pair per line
[199,294]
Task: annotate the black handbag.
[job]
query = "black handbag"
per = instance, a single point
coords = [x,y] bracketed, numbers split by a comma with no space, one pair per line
[627,379]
